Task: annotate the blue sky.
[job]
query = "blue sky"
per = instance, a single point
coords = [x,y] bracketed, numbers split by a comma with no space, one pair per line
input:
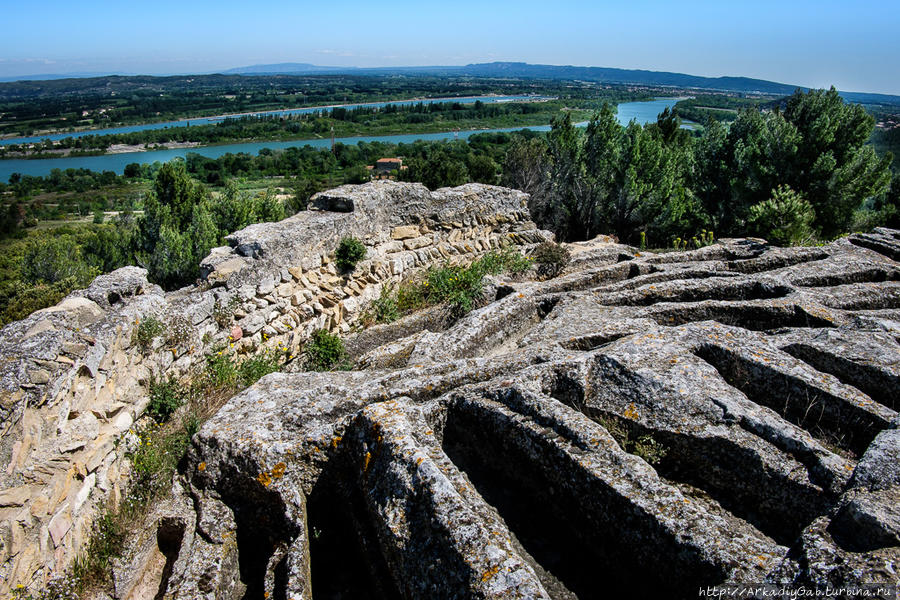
[853,45]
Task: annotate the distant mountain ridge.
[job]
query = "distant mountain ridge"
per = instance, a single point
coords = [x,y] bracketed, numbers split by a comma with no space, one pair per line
[598,74]
[607,75]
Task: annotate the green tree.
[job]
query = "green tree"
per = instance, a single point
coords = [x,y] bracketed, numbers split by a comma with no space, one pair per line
[605,154]
[177,229]
[438,168]
[55,259]
[304,188]
[784,219]
[569,203]
[761,149]
[525,165]
[482,168]
[834,166]
[710,176]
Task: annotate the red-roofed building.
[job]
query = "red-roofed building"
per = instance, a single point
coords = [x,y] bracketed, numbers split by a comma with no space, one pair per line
[384,166]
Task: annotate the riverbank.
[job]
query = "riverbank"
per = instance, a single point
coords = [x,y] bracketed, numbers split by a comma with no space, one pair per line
[219,117]
[641,111]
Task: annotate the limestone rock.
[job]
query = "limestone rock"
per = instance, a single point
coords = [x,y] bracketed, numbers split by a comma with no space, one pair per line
[658,422]
[654,422]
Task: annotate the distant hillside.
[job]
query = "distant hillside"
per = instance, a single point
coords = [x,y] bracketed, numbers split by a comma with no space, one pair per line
[598,74]
[286,68]
[30,86]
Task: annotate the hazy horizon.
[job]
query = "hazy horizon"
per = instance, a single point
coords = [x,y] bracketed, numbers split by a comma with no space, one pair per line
[812,44]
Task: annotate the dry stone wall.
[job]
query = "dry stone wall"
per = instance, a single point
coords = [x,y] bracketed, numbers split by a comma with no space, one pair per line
[73,380]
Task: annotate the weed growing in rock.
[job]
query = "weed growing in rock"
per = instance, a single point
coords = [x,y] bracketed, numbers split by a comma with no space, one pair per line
[153,463]
[551,259]
[148,329]
[411,297]
[179,331]
[223,311]
[166,396]
[191,423]
[349,252]
[325,352]
[220,371]
[506,260]
[384,309]
[252,369]
[644,446]
[459,287]
[107,540]
[59,588]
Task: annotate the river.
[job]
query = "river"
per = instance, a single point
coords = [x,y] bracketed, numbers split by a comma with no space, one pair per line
[642,112]
[268,113]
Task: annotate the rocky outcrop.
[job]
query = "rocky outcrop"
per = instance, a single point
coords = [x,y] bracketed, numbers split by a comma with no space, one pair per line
[73,377]
[643,422]
[648,423]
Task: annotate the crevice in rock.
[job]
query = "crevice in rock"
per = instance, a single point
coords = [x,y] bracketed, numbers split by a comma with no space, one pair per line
[657,277]
[756,317]
[877,383]
[546,306]
[586,343]
[867,275]
[836,422]
[168,538]
[885,298]
[564,387]
[345,561]
[771,263]
[260,534]
[581,542]
[875,245]
[691,292]
[710,465]
[545,525]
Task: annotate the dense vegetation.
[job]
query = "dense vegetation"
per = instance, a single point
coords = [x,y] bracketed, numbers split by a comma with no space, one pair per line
[180,223]
[343,122]
[720,107]
[35,107]
[800,173]
[810,162]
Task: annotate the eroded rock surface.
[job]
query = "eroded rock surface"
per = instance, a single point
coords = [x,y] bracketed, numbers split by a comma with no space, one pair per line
[73,377]
[643,424]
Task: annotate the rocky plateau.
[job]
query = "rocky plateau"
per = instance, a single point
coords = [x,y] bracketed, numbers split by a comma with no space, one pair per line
[642,425]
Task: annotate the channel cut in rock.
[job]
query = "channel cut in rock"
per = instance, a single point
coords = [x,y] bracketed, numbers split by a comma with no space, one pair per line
[646,421]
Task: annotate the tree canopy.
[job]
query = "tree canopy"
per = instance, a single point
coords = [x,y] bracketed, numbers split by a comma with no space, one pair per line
[659,181]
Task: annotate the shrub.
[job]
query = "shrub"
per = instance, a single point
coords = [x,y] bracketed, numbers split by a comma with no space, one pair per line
[410,296]
[551,259]
[153,464]
[507,260]
[325,352]
[106,542]
[386,307]
[50,260]
[165,398]
[252,369]
[349,252]
[220,370]
[147,330]
[179,331]
[784,219]
[459,287]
